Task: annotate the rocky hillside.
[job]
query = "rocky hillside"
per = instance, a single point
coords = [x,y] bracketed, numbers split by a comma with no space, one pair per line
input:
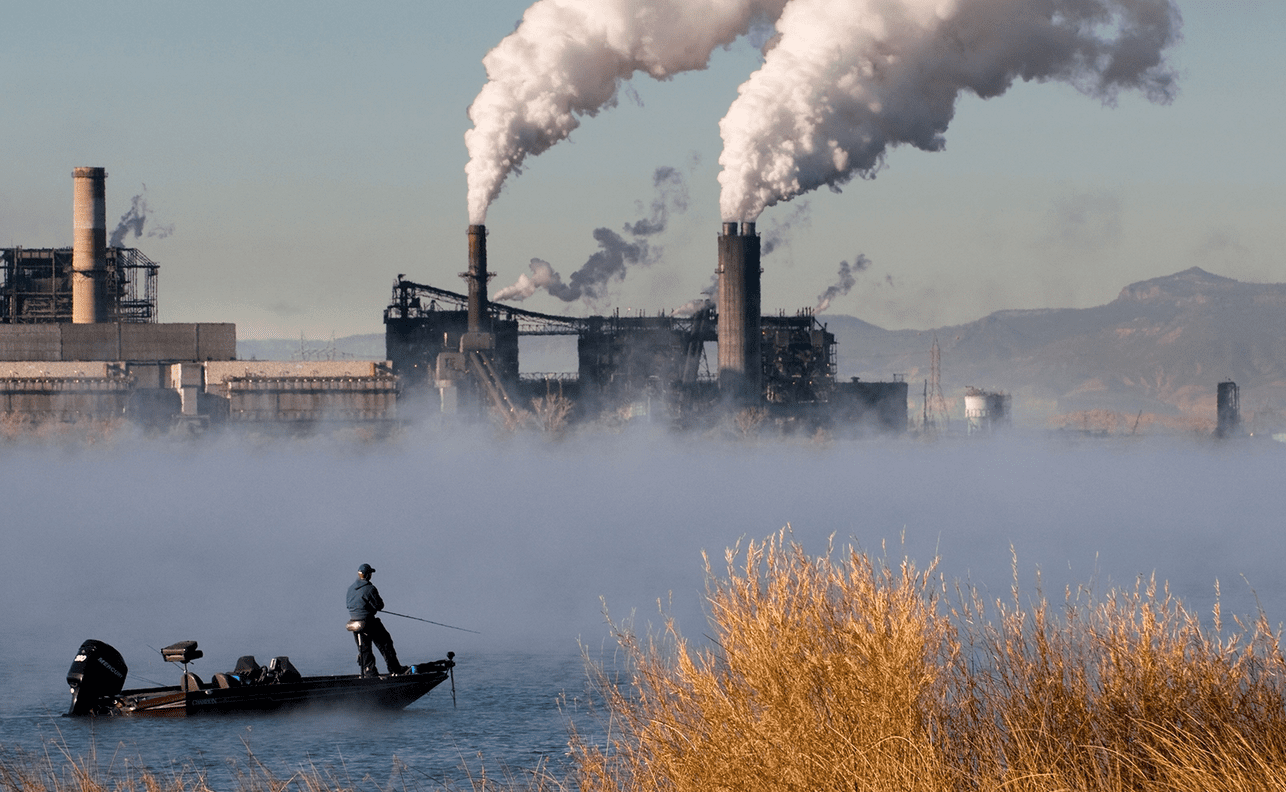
[1160,347]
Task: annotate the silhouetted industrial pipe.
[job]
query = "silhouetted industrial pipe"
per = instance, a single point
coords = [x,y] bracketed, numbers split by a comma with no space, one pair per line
[89,303]
[740,345]
[477,277]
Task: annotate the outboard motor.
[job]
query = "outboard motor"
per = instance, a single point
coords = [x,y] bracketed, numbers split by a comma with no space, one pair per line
[97,673]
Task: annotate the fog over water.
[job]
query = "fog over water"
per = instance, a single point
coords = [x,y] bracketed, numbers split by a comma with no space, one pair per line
[248,547]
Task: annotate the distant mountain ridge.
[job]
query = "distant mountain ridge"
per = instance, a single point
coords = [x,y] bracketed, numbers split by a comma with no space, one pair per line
[1161,346]
[368,346]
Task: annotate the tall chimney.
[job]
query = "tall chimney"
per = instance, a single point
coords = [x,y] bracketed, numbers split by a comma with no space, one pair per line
[740,356]
[89,246]
[477,277]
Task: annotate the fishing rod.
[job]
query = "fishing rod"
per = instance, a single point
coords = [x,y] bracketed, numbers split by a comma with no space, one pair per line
[440,624]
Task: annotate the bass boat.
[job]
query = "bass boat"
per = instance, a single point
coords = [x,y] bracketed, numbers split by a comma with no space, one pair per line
[97,680]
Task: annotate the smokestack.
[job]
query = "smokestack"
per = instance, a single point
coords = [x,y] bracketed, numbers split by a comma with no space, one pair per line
[740,359]
[89,246]
[477,277]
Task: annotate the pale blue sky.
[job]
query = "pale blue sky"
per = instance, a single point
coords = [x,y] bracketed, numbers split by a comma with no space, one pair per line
[307,153]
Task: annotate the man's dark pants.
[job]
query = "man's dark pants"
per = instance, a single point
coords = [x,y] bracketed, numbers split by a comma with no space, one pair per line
[374,633]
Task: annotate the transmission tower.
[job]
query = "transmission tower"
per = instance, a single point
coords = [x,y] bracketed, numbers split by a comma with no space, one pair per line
[935,406]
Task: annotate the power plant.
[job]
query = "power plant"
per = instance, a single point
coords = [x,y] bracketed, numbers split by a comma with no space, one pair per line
[80,338]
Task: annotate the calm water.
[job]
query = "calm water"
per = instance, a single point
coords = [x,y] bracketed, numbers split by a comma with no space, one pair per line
[511,711]
[248,548]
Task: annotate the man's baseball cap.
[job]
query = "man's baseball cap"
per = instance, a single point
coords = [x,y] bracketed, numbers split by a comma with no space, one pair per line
[366,569]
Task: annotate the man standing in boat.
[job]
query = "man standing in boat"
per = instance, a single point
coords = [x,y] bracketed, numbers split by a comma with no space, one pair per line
[363,603]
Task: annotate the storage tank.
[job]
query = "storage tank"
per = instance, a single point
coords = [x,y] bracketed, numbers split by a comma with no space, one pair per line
[986,411]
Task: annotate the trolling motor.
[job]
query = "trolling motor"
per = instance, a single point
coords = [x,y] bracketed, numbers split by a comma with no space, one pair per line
[96,675]
[451,671]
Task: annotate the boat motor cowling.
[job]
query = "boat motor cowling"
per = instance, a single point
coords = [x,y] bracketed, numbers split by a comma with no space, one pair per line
[97,673]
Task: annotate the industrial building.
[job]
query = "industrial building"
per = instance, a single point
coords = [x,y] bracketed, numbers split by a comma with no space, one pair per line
[80,340]
[464,350]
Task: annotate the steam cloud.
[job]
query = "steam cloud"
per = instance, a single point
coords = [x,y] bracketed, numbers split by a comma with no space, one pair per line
[847,277]
[135,219]
[615,253]
[692,307]
[567,59]
[844,81]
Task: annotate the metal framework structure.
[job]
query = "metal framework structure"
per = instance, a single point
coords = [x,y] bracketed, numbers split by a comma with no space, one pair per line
[798,358]
[623,354]
[36,285]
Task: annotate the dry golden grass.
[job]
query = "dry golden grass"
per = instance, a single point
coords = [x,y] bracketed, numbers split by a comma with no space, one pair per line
[858,675]
[822,677]
[552,411]
[21,772]
[749,420]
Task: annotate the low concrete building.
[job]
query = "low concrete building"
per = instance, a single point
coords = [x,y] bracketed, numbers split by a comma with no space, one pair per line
[160,373]
[304,391]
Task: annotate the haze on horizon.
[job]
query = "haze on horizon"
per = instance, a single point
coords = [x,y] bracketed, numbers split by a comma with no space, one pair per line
[247,546]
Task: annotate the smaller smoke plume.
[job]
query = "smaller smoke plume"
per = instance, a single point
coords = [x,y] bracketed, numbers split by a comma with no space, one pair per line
[542,277]
[134,220]
[615,252]
[671,195]
[614,256]
[847,277]
[778,232]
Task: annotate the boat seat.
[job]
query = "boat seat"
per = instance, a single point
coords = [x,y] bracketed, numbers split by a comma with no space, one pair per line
[222,681]
[280,669]
[191,683]
[247,670]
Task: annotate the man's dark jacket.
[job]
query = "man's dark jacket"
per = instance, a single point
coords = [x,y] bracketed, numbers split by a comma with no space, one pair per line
[363,599]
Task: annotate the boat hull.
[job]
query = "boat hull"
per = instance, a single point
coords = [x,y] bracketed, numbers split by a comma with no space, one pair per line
[350,692]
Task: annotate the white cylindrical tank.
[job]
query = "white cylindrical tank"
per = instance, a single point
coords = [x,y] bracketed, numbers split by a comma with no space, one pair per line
[985,411]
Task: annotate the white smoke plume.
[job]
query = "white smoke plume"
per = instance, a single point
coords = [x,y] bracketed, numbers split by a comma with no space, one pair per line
[844,81]
[847,278]
[134,220]
[542,277]
[615,253]
[568,58]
